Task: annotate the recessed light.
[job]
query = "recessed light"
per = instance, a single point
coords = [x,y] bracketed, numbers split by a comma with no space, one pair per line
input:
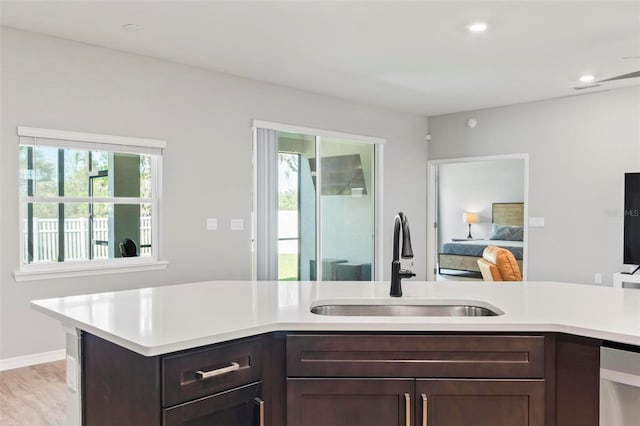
[131,27]
[478,27]
[587,78]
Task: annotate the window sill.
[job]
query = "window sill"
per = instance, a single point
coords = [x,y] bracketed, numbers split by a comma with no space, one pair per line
[72,271]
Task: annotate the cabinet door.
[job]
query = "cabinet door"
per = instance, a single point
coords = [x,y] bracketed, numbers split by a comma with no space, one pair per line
[239,407]
[480,402]
[349,402]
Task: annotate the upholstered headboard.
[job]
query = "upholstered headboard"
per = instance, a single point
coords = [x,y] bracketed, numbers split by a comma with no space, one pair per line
[508,214]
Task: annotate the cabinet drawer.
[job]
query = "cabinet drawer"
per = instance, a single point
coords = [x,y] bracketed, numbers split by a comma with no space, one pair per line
[199,373]
[471,356]
[238,407]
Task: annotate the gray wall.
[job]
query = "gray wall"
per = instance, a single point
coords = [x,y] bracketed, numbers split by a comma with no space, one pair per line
[579,148]
[205,118]
[474,187]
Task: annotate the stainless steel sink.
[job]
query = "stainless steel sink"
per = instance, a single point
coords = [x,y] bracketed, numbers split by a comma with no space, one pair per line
[405,310]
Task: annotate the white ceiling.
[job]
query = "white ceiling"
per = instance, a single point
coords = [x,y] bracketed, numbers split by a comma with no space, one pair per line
[413,56]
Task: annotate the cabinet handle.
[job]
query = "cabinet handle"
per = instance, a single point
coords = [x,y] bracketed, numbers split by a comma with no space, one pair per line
[260,403]
[407,409]
[218,371]
[425,403]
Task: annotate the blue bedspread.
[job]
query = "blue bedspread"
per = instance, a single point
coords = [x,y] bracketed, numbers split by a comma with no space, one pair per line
[475,248]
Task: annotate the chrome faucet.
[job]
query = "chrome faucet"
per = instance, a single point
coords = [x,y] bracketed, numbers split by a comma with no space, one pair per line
[400,223]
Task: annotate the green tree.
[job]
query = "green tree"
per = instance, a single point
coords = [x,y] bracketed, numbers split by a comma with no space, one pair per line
[76,180]
[288,200]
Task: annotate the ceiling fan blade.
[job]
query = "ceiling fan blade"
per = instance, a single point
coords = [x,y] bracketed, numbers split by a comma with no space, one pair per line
[589,86]
[622,76]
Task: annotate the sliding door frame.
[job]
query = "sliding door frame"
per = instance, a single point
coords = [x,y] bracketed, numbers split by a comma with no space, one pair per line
[319,134]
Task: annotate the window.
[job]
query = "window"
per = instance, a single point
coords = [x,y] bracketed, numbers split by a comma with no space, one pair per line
[88,202]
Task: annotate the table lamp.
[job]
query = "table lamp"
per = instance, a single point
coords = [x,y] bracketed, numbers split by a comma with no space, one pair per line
[469,218]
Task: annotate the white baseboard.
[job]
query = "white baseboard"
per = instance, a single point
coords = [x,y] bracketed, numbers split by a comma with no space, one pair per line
[32,359]
[620,377]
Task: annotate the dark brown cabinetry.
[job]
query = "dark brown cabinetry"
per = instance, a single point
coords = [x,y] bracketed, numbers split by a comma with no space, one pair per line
[225,378]
[348,379]
[238,407]
[359,402]
[216,385]
[396,355]
[198,373]
[437,380]
[420,402]
[480,402]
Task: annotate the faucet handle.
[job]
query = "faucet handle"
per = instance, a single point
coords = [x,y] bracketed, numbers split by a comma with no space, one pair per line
[406,273]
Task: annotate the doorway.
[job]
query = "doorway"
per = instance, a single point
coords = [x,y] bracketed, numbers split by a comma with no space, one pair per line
[470,201]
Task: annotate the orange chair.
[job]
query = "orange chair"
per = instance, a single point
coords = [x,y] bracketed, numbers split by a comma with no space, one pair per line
[499,264]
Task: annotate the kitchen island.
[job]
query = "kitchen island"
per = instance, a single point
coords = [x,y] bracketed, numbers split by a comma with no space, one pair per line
[542,353]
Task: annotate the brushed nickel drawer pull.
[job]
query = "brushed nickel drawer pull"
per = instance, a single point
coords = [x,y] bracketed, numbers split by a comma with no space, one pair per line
[260,403]
[425,403]
[407,409]
[217,372]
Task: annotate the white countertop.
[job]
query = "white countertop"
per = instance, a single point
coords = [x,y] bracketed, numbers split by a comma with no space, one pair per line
[159,320]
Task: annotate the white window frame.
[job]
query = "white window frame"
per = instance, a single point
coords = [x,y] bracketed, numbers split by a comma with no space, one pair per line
[95,142]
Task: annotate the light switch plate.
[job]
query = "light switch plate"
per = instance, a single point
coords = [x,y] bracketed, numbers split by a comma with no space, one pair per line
[237,224]
[212,224]
[537,222]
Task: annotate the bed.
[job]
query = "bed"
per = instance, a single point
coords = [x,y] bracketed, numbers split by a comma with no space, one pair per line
[461,257]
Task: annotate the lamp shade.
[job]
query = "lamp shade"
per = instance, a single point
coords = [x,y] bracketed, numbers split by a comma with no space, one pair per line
[468,217]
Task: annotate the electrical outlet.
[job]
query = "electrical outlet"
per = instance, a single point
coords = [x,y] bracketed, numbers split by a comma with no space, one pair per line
[212,224]
[237,224]
[597,278]
[72,373]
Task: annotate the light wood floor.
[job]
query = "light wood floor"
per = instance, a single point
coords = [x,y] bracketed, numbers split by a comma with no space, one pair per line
[33,396]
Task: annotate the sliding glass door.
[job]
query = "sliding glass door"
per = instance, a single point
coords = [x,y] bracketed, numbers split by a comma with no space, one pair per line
[347,197]
[326,207]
